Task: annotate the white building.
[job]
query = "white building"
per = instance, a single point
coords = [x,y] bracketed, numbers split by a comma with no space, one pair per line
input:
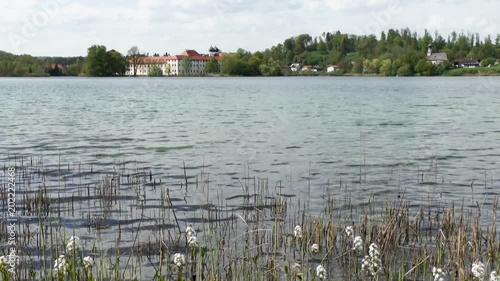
[332,68]
[295,67]
[172,65]
[435,58]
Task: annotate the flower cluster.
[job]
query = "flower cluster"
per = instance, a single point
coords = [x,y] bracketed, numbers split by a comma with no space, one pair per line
[494,276]
[74,245]
[321,272]
[3,261]
[296,269]
[297,232]
[179,260]
[191,236]
[439,274]
[372,262]
[478,270]
[88,262]
[357,244]
[315,248]
[61,266]
[349,231]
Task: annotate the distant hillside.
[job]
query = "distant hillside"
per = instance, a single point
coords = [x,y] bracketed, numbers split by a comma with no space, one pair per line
[5,54]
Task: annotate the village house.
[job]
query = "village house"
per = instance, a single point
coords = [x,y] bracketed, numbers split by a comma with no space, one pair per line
[172,65]
[436,58]
[467,63]
[295,67]
[332,68]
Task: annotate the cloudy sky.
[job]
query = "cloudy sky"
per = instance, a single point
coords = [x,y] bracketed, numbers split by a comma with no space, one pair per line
[69,27]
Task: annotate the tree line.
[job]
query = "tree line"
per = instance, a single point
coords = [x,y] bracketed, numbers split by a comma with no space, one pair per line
[393,52]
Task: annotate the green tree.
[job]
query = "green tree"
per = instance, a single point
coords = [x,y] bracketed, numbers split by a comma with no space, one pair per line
[186,65]
[116,64]
[155,71]
[96,63]
[424,68]
[357,66]
[487,62]
[212,66]
[272,68]
[405,70]
[255,63]
[386,67]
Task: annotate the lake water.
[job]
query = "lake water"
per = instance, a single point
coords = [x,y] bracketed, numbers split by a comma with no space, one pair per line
[430,140]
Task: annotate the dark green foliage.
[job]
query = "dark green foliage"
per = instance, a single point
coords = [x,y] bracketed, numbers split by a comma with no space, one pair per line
[101,62]
[212,66]
[25,65]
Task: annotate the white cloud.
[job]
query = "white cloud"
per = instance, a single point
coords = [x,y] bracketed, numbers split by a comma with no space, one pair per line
[160,26]
[435,22]
[149,3]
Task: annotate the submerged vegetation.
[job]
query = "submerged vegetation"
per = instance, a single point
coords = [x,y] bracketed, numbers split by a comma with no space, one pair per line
[132,227]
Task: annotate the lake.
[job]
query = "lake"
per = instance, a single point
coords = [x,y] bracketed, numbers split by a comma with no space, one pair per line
[431,140]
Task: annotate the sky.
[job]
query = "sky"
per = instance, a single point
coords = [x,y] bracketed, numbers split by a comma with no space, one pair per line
[69,27]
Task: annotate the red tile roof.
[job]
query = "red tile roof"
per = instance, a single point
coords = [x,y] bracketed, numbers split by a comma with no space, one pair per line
[194,55]
[60,66]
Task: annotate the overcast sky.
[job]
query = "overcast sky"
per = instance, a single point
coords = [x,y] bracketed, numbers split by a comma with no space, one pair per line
[69,27]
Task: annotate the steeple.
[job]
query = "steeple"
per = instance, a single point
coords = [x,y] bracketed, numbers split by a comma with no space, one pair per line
[429,50]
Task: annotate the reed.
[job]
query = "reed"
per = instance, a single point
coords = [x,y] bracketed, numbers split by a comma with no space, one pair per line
[66,231]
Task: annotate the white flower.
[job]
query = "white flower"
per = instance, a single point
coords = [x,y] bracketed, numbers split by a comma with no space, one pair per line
[315,248]
[179,259]
[60,266]
[478,270]
[439,274]
[372,262]
[192,241]
[494,276]
[296,268]
[349,231]
[190,231]
[321,272]
[88,262]
[357,243]
[297,232]
[73,245]
[3,261]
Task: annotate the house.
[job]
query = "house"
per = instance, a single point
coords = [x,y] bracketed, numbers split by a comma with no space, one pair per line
[318,68]
[172,65]
[295,67]
[332,68]
[436,58]
[467,63]
[308,67]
